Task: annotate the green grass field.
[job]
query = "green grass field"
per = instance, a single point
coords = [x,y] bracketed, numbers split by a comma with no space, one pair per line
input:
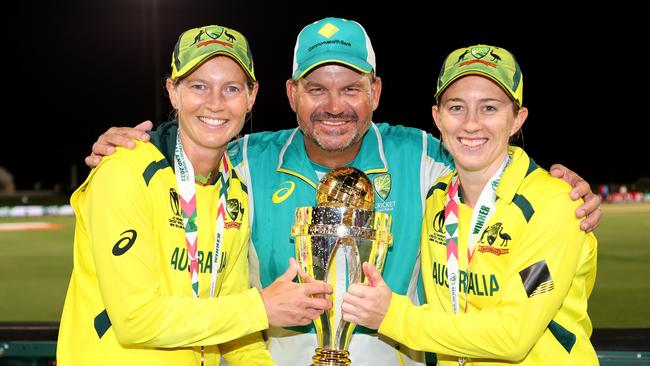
[622,293]
[35,269]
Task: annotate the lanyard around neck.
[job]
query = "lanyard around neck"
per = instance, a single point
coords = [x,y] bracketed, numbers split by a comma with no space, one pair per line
[483,210]
[187,190]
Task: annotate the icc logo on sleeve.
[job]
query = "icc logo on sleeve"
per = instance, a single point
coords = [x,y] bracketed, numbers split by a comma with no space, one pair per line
[437,235]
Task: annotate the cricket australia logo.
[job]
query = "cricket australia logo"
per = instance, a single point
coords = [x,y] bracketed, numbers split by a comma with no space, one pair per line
[479,52]
[497,240]
[235,210]
[383,184]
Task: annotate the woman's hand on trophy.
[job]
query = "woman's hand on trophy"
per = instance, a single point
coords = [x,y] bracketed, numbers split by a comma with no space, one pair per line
[367,304]
[289,303]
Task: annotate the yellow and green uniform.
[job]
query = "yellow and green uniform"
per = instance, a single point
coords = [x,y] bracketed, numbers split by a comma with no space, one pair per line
[526,286]
[130,300]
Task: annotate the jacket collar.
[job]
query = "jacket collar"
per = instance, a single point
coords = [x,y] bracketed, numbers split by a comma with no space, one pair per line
[164,139]
[518,169]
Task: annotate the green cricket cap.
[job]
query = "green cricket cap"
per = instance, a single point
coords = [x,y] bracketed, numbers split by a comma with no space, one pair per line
[197,45]
[492,62]
[333,40]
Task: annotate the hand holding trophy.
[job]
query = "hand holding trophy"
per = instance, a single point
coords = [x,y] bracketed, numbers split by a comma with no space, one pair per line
[343,222]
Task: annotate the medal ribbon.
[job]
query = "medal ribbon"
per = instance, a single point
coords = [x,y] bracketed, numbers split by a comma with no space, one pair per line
[187,192]
[483,210]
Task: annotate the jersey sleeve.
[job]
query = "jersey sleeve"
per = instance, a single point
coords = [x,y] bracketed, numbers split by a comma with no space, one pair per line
[537,281]
[124,241]
[247,350]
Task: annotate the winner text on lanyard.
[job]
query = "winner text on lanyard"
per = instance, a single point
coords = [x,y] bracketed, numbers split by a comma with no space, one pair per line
[486,205]
[186,186]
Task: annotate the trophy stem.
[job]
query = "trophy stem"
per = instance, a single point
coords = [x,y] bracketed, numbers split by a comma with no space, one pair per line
[343,222]
[326,332]
[331,357]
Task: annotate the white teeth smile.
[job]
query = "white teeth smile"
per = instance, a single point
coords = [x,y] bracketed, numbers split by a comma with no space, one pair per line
[472,142]
[333,123]
[212,121]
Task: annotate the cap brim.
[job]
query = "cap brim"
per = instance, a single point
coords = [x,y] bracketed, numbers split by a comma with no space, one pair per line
[479,73]
[206,57]
[331,57]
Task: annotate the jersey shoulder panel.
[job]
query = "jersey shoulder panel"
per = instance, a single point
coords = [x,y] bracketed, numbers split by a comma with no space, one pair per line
[539,187]
[403,136]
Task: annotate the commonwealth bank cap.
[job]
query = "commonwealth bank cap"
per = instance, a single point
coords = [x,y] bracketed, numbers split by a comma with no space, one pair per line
[197,45]
[493,62]
[333,40]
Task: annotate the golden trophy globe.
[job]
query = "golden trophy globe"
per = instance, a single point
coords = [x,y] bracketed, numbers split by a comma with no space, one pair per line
[343,222]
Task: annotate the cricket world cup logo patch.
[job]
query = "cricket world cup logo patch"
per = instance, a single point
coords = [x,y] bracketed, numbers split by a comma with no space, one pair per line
[176,219]
[437,235]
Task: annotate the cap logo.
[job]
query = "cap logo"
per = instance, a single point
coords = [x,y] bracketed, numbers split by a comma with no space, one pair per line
[328,30]
[479,52]
[211,34]
[215,34]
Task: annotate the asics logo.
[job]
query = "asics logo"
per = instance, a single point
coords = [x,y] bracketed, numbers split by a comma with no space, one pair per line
[284,192]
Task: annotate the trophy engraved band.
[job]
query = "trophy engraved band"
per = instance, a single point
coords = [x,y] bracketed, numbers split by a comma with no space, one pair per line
[342,223]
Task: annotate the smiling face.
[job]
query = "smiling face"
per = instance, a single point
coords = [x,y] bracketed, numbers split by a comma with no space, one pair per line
[476,119]
[334,106]
[211,103]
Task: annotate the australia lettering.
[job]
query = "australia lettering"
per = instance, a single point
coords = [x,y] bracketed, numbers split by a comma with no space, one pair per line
[470,283]
[180,261]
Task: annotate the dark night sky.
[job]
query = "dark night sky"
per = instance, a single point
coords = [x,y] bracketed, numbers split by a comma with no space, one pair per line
[88,65]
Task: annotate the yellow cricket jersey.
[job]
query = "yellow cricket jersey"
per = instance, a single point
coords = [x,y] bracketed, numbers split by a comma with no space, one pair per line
[130,300]
[525,289]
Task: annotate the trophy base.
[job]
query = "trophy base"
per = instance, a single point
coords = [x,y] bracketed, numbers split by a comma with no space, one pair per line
[331,357]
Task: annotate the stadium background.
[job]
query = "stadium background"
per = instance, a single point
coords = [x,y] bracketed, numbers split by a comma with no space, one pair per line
[76,68]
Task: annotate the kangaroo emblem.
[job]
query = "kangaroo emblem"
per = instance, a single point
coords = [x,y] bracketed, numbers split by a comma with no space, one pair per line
[495,57]
[462,56]
[198,37]
[494,231]
[231,38]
